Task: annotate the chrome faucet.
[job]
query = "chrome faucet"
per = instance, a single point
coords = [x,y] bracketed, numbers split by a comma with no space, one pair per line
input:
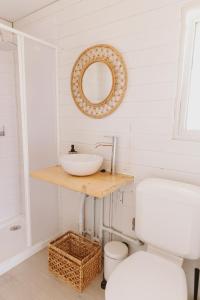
[113,144]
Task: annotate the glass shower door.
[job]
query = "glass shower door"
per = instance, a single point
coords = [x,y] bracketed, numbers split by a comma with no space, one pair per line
[12,218]
[40,87]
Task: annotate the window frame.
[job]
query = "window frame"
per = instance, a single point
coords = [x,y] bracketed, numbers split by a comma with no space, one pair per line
[190,17]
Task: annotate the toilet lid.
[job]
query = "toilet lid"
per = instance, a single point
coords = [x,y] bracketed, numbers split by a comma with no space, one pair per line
[145,276]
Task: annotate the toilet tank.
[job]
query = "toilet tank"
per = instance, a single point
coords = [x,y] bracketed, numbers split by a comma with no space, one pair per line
[168,216]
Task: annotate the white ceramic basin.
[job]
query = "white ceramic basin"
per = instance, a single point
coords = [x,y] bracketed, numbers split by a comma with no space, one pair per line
[81,164]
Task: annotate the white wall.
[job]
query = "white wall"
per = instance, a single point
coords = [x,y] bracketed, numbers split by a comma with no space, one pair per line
[6,22]
[10,197]
[148,35]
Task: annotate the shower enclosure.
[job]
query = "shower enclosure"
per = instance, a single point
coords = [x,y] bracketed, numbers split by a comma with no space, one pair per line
[28,141]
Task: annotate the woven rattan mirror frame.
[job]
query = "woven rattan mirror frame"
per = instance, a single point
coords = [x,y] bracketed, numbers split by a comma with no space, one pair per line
[114,60]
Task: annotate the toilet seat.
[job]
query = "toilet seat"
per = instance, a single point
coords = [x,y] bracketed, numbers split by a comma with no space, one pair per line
[146,276]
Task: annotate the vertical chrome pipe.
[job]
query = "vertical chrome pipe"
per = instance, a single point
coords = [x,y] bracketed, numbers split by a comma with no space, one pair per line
[82,215]
[93,233]
[101,231]
[113,158]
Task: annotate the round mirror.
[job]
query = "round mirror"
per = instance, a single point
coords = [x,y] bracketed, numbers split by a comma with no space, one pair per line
[97,82]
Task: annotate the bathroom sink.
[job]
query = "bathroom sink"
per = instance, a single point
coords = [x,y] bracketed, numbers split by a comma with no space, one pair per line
[81,164]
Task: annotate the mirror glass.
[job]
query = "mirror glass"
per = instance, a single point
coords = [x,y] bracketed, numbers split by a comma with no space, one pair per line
[97,82]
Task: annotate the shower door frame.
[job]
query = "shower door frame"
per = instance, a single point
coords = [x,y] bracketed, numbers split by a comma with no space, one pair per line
[23,114]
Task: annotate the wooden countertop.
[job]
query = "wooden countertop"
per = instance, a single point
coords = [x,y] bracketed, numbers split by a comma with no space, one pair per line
[96,185]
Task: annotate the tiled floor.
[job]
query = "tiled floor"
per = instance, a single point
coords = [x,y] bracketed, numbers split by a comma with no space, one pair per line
[32,281]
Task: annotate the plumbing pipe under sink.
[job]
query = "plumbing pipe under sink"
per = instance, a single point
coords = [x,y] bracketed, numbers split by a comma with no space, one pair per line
[82,229]
[82,214]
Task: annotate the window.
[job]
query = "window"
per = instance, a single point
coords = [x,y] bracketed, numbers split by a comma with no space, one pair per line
[188,107]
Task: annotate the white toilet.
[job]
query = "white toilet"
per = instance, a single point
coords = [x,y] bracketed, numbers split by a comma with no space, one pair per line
[168,221]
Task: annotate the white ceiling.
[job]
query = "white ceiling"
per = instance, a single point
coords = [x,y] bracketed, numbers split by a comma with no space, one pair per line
[12,10]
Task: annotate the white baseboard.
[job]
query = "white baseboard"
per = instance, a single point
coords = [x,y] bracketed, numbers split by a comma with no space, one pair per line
[18,259]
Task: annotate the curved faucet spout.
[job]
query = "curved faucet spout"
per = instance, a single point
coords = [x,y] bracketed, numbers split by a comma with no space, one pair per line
[113,144]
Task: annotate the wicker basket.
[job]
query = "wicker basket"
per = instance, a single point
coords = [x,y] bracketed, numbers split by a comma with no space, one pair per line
[75,259]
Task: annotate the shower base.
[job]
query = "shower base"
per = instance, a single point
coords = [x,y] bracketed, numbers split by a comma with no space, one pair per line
[12,237]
